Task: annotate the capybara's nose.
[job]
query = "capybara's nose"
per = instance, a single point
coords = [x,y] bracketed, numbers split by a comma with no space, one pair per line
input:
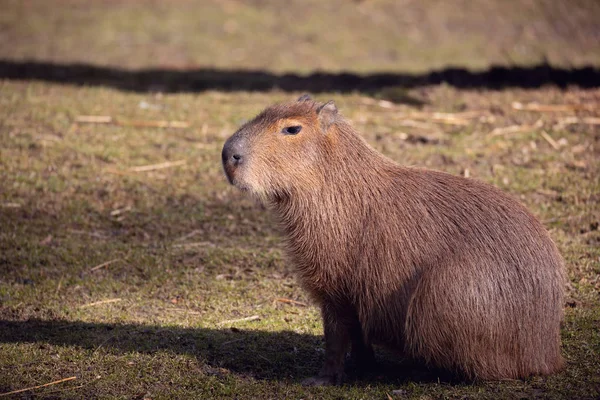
[233,151]
[233,155]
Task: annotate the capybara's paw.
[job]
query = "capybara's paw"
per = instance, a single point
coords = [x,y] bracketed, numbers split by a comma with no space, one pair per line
[323,380]
[364,361]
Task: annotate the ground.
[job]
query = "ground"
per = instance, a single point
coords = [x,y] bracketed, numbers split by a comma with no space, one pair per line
[151,280]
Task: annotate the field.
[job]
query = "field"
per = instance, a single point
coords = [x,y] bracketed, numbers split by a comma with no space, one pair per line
[128,262]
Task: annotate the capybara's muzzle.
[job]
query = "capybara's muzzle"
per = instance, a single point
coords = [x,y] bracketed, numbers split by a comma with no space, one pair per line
[233,155]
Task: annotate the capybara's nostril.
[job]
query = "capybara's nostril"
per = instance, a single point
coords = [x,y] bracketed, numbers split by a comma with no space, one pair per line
[234,150]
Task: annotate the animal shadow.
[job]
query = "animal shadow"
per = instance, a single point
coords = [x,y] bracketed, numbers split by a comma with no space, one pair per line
[283,356]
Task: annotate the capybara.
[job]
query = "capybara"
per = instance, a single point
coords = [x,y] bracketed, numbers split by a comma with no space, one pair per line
[450,271]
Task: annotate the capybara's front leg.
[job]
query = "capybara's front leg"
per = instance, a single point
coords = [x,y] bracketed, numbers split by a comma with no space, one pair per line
[362,351]
[337,341]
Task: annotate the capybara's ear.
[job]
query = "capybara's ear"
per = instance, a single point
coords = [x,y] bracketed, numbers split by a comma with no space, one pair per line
[305,97]
[327,114]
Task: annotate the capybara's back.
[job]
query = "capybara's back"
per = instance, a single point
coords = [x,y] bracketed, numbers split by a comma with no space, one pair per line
[449,270]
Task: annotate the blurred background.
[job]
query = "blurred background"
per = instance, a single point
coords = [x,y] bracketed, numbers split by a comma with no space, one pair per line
[130,268]
[214,37]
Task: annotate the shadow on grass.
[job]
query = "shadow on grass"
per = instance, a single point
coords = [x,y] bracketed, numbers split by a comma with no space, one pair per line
[284,355]
[196,80]
[168,220]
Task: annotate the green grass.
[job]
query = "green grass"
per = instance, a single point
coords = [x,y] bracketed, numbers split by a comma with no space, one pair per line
[190,253]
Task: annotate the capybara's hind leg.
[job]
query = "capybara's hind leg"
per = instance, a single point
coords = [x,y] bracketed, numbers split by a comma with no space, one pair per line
[457,324]
[461,319]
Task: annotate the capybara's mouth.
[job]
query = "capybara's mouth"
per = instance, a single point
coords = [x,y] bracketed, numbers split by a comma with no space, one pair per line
[229,171]
[232,174]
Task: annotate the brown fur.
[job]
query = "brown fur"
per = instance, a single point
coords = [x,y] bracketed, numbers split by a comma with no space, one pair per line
[449,270]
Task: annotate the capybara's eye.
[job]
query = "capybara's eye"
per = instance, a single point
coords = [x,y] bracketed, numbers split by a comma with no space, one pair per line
[291,130]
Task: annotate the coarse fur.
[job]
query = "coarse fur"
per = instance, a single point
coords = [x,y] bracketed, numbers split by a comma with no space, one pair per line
[448,270]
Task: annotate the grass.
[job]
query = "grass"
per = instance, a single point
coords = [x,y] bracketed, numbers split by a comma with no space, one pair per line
[190,252]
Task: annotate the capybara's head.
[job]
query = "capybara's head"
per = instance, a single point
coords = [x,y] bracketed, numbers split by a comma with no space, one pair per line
[282,149]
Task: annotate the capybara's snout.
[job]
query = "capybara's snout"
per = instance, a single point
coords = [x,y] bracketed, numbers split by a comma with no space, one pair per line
[233,155]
